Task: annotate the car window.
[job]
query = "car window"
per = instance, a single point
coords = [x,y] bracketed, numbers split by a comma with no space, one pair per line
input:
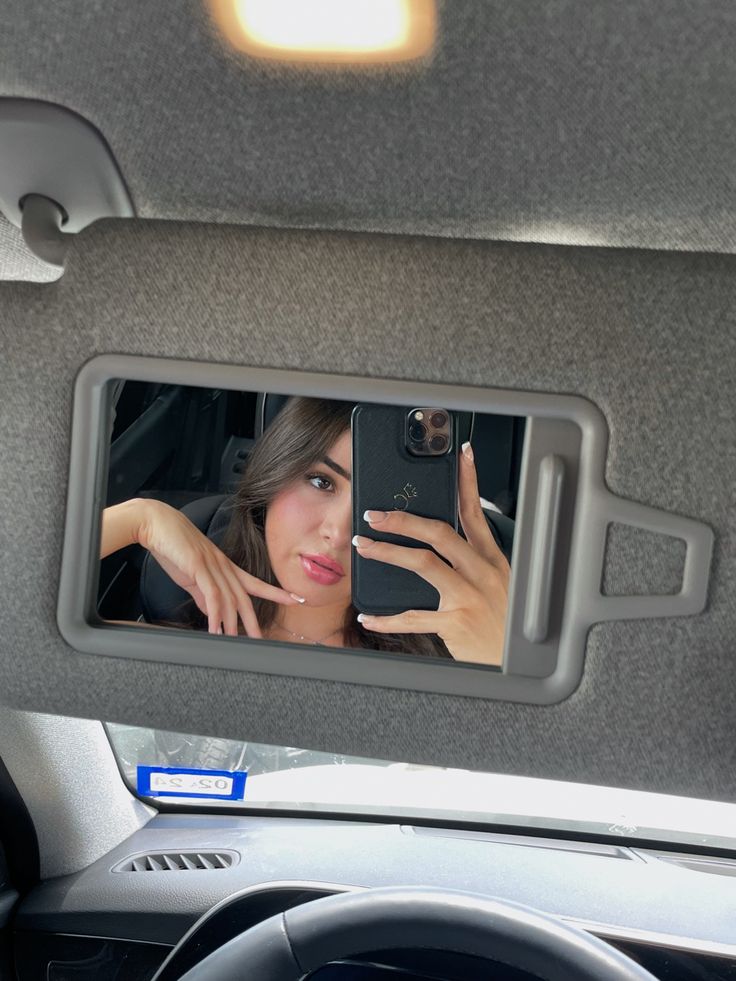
[291,778]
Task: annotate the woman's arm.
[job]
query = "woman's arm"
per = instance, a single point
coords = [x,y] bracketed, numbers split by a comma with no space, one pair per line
[121,525]
[221,589]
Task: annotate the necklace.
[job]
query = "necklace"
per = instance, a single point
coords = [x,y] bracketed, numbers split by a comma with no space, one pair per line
[310,640]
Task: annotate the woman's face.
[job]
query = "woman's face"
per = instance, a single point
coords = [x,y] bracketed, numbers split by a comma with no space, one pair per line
[308,528]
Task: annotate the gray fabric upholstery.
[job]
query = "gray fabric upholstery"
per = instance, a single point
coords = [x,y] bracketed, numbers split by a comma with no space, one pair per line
[649,337]
[640,562]
[17,262]
[589,122]
[79,807]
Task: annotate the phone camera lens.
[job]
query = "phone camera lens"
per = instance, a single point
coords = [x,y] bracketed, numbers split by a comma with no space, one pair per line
[438,443]
[438,420]
[417,432]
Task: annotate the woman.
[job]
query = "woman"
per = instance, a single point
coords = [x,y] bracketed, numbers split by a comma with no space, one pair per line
[284,569]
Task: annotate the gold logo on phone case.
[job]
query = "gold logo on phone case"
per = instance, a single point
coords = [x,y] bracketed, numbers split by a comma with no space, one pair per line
[401,500]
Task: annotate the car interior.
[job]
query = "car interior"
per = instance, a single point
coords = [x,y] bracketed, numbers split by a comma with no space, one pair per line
[489,247]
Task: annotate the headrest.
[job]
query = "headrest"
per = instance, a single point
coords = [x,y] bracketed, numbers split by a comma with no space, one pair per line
[268,407]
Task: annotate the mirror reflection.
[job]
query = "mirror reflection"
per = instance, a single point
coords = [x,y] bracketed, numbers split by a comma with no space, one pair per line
[310,521]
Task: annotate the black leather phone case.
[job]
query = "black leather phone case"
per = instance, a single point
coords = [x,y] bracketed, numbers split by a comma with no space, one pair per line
[387,477]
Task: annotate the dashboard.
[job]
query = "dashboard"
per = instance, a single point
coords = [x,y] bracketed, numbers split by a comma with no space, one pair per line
[672,913]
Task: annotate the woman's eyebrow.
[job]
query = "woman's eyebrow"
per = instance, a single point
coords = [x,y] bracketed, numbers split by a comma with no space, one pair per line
[336,467]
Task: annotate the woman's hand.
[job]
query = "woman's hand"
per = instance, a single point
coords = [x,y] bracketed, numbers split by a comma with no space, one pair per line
[220,588]
[471,617]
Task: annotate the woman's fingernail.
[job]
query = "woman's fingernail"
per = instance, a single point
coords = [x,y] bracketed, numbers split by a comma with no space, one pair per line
[360,542]
[468,452]
[374,517]
[363,617]
[299,599]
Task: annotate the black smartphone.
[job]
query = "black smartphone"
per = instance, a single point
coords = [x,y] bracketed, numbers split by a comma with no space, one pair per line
[403,459]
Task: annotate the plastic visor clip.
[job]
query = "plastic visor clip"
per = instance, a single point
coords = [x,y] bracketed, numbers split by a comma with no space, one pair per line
[42,220]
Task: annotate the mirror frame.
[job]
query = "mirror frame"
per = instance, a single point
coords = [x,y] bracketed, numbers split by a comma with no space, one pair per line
[563,514]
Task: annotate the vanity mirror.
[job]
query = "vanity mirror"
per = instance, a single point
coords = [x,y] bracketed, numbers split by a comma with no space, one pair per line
[309,520]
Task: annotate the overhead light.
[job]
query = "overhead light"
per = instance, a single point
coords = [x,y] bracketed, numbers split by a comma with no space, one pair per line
[329,31]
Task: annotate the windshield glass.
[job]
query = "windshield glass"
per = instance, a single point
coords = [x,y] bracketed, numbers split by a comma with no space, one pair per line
[287,778]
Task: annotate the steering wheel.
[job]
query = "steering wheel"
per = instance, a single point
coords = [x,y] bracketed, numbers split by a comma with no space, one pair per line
[290,945]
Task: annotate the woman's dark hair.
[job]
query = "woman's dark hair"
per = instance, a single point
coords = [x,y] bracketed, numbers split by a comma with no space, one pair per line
[301,434]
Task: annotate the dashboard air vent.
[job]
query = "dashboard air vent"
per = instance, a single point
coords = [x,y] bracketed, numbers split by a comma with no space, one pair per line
[177,861]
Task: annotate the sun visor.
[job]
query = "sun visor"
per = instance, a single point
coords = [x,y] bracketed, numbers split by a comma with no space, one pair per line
[617,532]
[557,530]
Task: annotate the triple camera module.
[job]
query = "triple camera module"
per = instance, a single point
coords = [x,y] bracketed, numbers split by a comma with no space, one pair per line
[428,432]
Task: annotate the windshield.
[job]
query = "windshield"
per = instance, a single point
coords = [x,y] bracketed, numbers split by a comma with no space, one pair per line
[207,772]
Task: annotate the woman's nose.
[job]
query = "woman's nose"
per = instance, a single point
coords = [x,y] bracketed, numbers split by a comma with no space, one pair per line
[337,525]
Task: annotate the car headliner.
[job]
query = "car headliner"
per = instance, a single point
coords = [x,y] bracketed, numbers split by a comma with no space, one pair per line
[582,122]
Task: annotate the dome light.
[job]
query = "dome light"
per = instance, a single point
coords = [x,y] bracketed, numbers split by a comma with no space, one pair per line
[329,31]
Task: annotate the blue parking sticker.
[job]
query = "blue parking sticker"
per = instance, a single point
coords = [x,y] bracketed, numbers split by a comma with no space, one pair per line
[177,781]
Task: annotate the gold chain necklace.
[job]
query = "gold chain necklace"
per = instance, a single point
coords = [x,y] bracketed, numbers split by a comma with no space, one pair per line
[309,640]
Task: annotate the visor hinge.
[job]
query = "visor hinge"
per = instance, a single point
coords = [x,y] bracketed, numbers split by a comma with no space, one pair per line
[42,221]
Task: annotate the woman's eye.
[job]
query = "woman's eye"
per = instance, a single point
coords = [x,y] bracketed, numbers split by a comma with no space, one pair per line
[320,481]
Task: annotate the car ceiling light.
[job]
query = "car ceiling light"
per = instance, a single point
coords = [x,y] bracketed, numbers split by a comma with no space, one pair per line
[329,31]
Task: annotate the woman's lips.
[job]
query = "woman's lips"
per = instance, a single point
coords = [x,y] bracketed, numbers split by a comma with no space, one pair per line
[322,569]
